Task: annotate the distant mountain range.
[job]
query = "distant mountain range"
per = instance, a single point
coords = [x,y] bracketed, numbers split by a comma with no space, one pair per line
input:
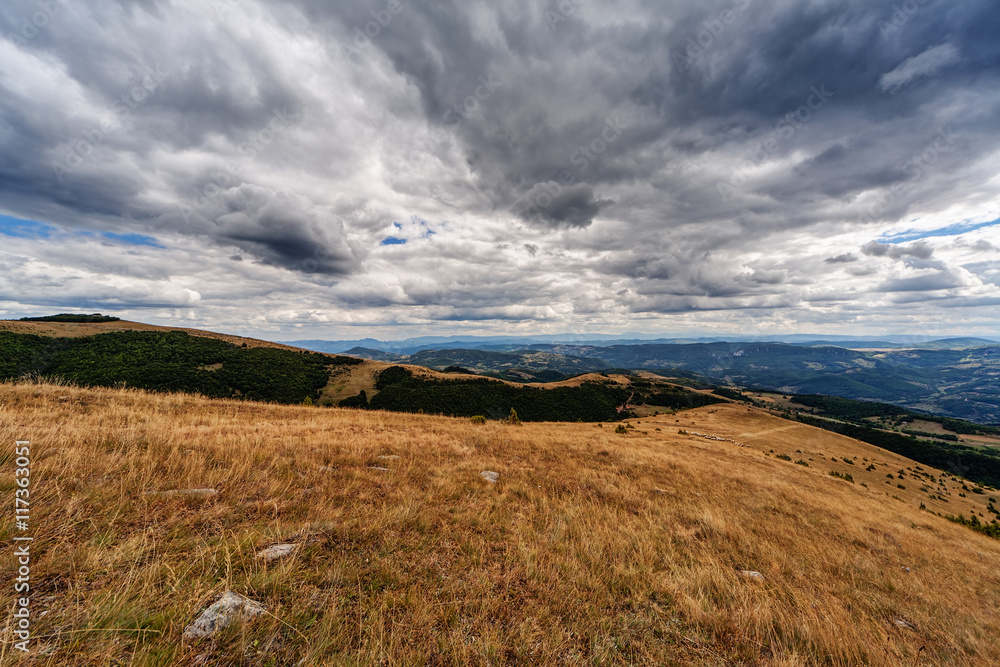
[511,343]
[954,377]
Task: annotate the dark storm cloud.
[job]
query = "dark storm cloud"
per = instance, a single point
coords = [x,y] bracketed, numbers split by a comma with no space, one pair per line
[841,259]
[281,230]
[920,250]
[686,153]
[549,205]
[927,283]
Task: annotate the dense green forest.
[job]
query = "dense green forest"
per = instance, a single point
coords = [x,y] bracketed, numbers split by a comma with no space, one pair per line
[69,317]
[170,361]
[676,398]
[400,391]
[494,400]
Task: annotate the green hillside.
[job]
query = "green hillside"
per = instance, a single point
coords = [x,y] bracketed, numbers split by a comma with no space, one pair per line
[170,361]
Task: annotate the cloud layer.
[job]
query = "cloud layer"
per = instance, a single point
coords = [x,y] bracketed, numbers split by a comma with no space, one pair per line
[710,166]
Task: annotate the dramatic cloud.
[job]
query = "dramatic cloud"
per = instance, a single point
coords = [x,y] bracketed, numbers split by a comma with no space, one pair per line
[299,168]
[547,205]
[931,61]
[920,250]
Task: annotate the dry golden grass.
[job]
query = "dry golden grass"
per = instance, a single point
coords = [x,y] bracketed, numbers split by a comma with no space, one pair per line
[594,548]
[81,329]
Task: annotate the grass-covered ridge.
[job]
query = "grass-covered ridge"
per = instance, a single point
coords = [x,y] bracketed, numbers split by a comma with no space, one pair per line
[399,390]
[594,548]
[169,361]
[72,318]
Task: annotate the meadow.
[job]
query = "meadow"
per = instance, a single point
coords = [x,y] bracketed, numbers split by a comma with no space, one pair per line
[593,547]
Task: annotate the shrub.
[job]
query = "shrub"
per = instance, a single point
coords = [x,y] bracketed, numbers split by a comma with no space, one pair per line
[620,429]
[359,401]
[800,462]
[783,457]
[992,530]
[513,419]
[478,419]
[842,475]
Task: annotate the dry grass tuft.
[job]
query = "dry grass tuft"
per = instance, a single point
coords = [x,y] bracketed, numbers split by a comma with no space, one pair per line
[593,548]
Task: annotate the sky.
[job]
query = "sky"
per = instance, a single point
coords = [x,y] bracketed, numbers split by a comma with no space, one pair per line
[296,169]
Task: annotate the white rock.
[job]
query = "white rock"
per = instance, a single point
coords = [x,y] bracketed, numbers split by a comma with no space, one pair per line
[276,551]
[389,457]
[221,614]
[751,574]
[379,469]
[901,623]
[490,476]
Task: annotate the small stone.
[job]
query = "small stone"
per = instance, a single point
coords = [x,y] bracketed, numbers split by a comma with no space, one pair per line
[490,476]
[389,457]
[902,623]
[277,551]
[376,468]
[752,574]
[221,614]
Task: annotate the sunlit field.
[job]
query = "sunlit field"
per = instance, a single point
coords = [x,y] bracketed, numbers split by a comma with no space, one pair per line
[593,547]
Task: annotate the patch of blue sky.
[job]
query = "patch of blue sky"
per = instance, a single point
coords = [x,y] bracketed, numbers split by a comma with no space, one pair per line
[951,230]
[32,229]
[133,239]
[24,229]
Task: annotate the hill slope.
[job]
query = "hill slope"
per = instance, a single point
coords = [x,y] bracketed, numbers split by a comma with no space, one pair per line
[177,360]
[593,547]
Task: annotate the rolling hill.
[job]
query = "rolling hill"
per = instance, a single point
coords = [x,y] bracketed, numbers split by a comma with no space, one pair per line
[958,378]
[715,536]
[117,353]
[961,383]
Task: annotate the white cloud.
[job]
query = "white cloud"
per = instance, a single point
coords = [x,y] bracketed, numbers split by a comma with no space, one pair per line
[928,63]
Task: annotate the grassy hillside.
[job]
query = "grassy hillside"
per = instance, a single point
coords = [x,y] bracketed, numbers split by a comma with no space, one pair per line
[56,327]
[177,360]
[593,548]
[170,361]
